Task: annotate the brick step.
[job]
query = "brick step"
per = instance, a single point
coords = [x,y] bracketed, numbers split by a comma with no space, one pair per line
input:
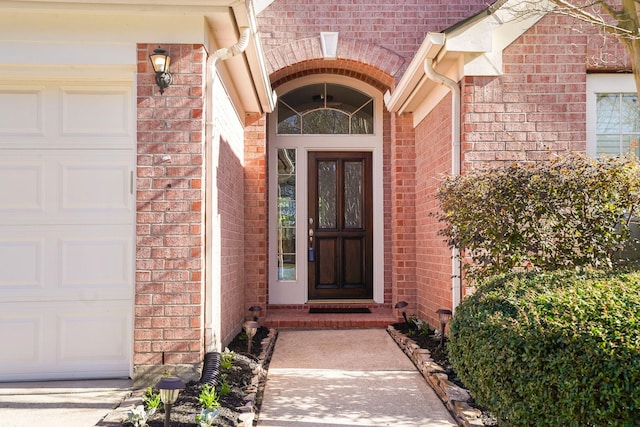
[299,317]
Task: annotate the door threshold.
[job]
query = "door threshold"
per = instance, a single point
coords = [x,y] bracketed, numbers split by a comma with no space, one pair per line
[341,301]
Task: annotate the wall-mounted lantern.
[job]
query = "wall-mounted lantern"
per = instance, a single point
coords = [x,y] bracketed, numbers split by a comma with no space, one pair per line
[161,60]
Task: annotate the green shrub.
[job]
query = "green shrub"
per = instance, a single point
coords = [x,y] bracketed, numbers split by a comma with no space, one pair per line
[552,349]
[568,212]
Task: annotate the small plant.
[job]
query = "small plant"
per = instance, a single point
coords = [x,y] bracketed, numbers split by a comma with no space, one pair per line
[226,359]
[208,397]
[138,416]
[151,399]
[207,417]
[418,327]
[225,387]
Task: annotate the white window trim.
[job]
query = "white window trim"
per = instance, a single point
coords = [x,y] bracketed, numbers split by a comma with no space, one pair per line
[296,292]
[603,83]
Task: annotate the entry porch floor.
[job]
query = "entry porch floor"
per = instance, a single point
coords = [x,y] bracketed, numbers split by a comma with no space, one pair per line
[298,316]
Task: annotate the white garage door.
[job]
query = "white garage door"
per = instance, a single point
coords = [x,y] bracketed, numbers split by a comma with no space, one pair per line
[66,230]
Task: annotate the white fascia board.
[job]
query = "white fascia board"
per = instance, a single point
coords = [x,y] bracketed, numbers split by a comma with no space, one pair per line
[413,77]
[246,17]
[244,75]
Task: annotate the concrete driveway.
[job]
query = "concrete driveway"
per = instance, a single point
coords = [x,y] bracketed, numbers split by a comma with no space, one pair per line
[60,403]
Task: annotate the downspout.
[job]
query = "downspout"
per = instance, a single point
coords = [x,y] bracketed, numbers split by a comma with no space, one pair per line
[431,73]
[212,62]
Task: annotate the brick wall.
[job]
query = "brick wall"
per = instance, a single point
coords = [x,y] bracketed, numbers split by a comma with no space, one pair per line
[379,33]
[403,214]
[169,243]
[255,214]
[227,218]
[537,107]
[433,258]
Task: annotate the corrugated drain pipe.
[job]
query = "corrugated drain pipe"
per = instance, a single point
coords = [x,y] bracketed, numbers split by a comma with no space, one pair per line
[431,73]
[219,55]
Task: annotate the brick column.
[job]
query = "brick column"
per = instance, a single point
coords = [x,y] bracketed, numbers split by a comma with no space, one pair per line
[170,230]
[403,209]
[255,185]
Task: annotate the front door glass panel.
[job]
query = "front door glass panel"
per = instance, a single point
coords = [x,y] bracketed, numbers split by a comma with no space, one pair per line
[286,214]
[353,194]
[327,194]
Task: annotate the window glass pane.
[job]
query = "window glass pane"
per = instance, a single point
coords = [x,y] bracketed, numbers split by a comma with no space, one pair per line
[608,113]
[325,108]
[617,123]
[325,122]
[608,145]
[327,194]
[362,120]
[288,120]
[629,114]
[286,214]
[353,194]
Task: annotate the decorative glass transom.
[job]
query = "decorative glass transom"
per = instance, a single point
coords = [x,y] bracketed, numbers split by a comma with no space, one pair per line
[325,108]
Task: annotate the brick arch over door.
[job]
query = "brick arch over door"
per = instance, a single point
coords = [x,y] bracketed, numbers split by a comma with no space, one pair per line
[343,67]
[371,61]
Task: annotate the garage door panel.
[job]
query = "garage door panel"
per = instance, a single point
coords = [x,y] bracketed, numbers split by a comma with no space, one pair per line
[23,334]
[66,187]
[95,186]
[91,111]
[84,335]
[59,263]
[23,186]
[22,111]
[98,263]
[65,340]
[67,116]
[21,264]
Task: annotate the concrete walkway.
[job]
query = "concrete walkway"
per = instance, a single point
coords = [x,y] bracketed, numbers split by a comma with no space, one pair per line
[59,403]
[335,378]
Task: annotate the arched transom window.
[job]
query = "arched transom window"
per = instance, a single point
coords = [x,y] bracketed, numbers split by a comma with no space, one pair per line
[325,108]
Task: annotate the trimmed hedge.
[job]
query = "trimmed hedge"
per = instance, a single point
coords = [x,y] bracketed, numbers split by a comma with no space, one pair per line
[552,349]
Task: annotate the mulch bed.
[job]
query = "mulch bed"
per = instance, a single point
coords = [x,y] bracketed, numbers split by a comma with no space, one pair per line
[238,377]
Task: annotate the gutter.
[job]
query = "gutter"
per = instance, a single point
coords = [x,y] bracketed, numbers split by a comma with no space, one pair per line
[437,42]
[217,56]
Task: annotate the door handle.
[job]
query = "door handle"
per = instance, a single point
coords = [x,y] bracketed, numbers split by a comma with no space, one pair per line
[311,256]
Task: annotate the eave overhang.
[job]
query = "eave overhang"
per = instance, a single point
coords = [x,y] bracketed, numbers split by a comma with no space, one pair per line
[214,23]
[470,48]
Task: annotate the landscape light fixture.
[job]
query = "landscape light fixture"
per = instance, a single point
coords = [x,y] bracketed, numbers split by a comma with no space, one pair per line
[443,315]
[160,60]
[250,327]
[402,304]
[255,309]
[169,389]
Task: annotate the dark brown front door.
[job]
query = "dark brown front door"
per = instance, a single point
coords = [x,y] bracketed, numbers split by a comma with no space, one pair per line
[340,228]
